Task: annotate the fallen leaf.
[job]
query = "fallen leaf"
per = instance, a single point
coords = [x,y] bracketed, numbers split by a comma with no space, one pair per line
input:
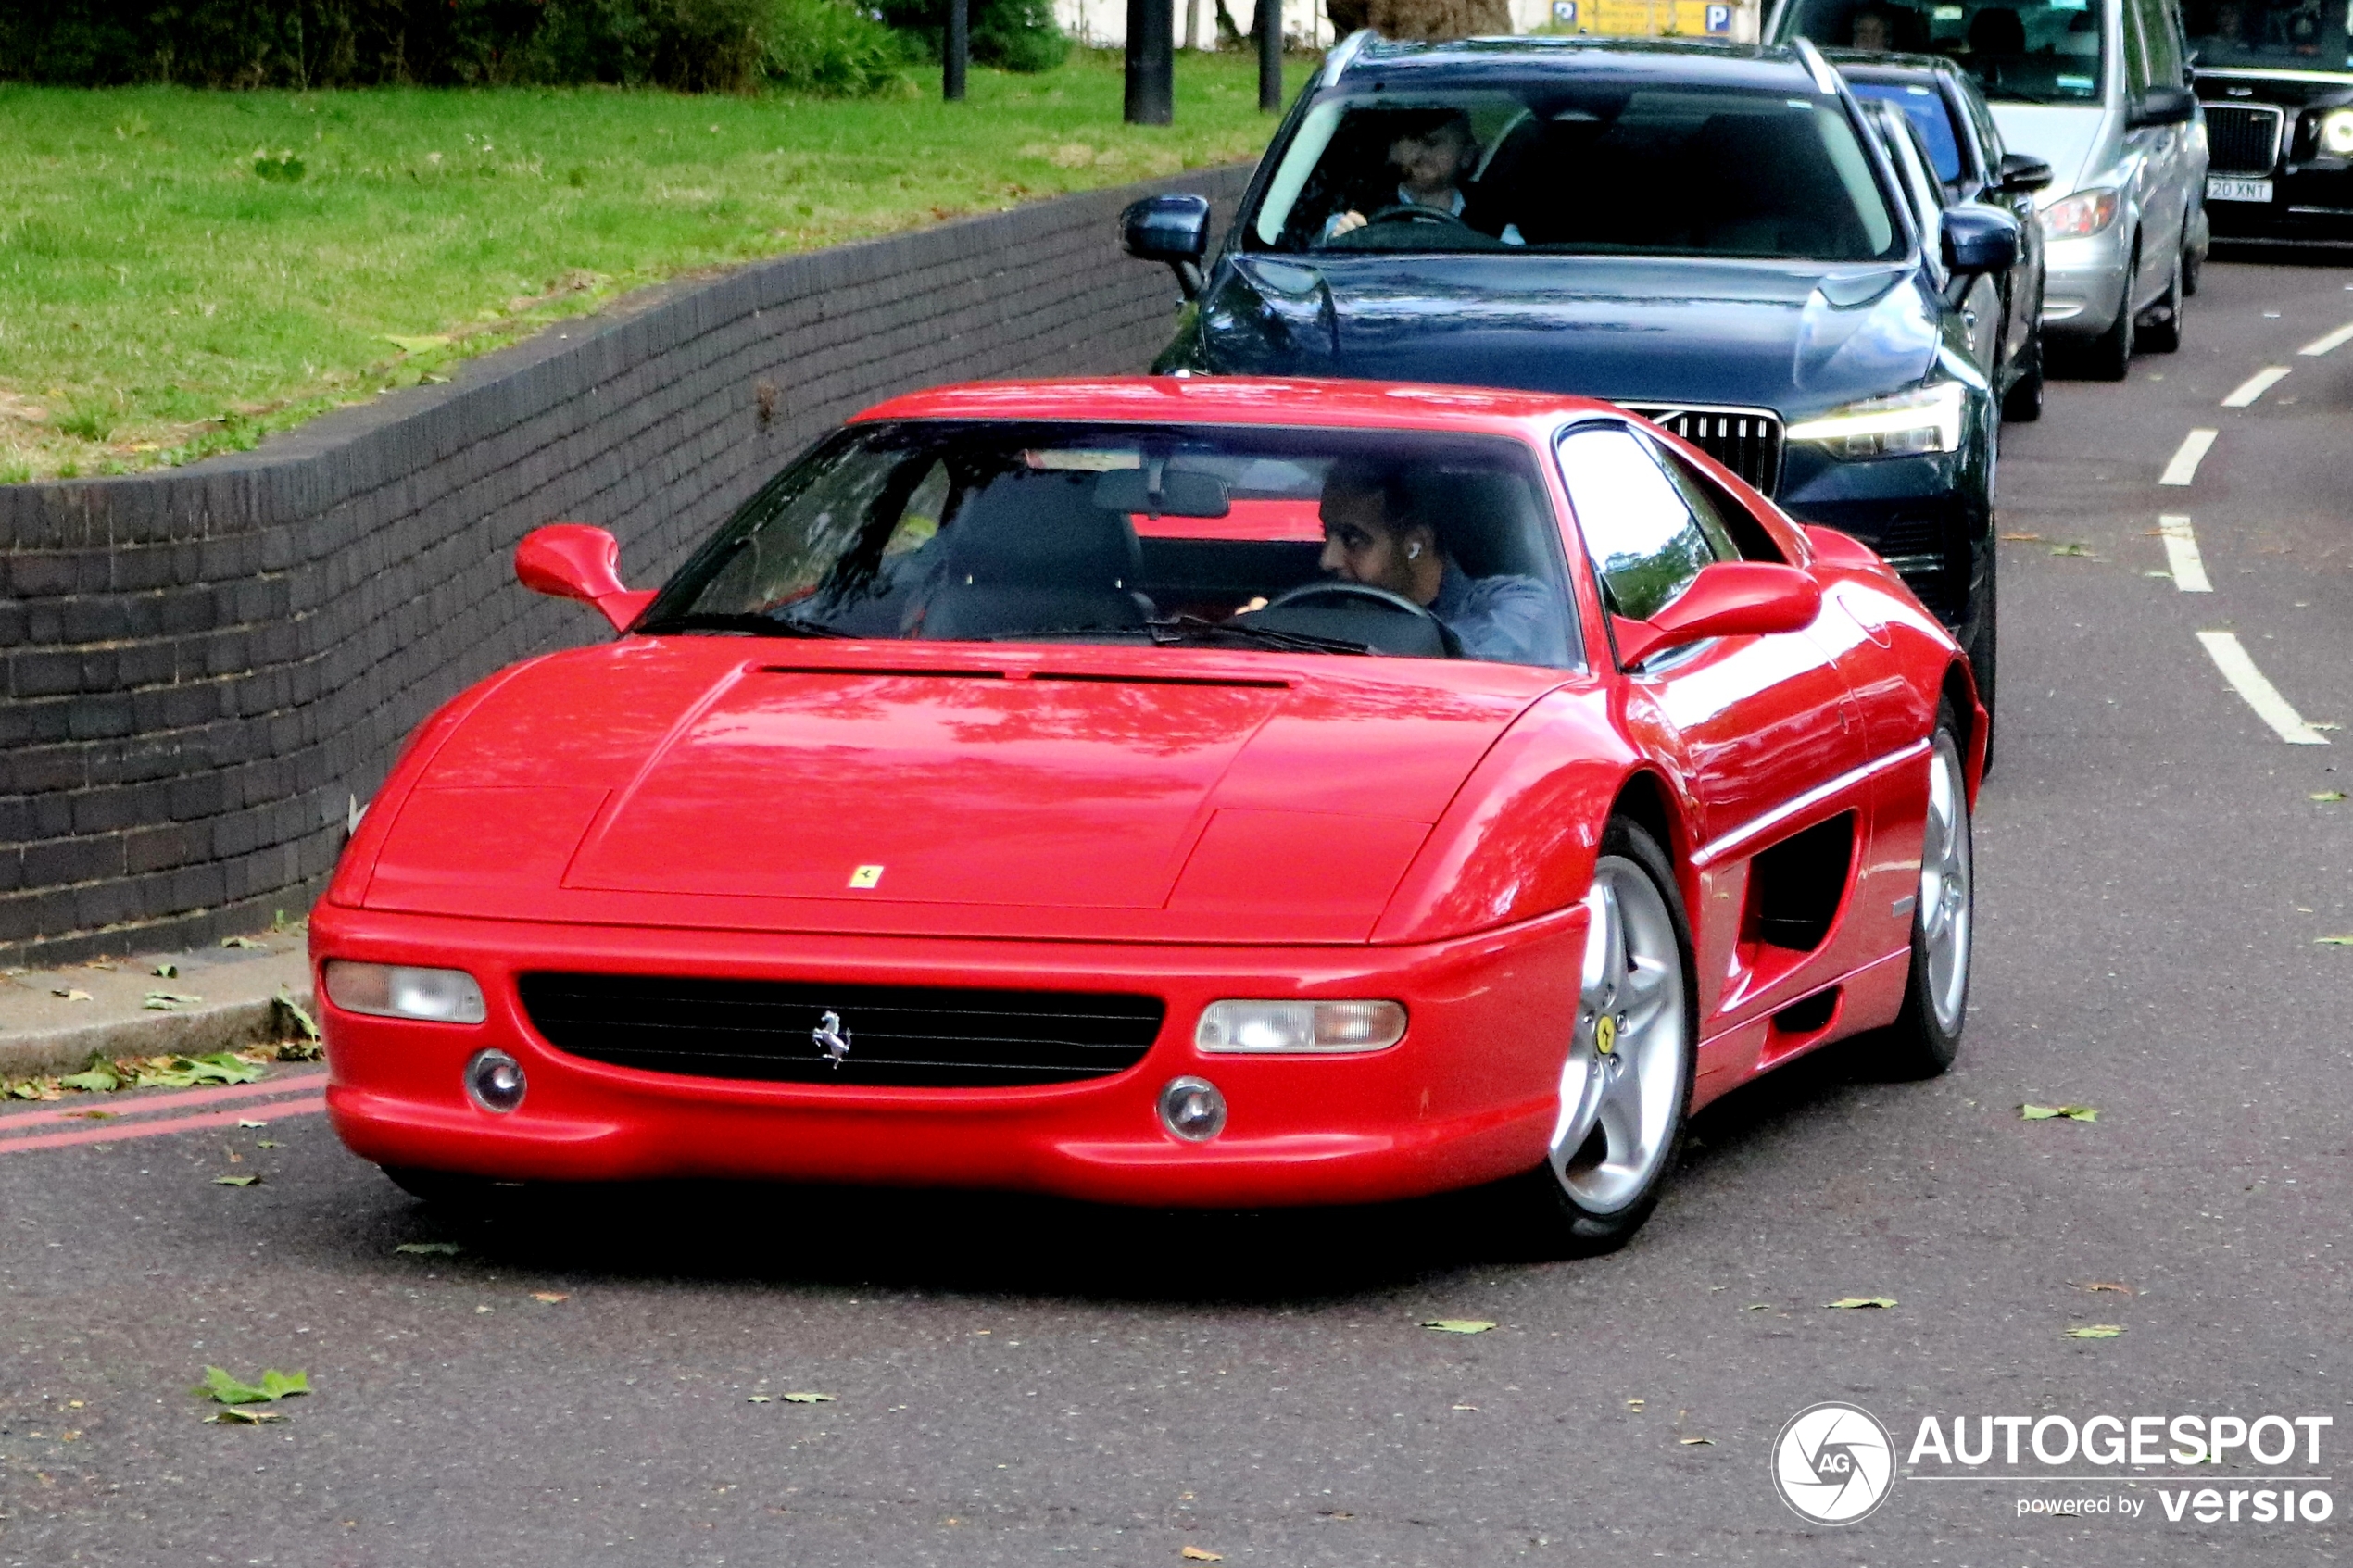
[1195,1554]
[2072,548]
[258,1143]
[431,1248]
[1697,1442]
[2317,724]
[759,1399]
[2095,1331]
[2023,538]
[302,1021]
[225,1387]
[2051,1113]
[1758,1307]
[2330,794]
[1458,1325]
[236,1415]
[167,1000]
[480,1309]
[418,343]
[2333,941]
[71,993]
[809,1399]
[1634,1405]
[1845,1302]
[247,942]
[236,1181]
[248,1123]
[2096,1284]
[550,1297]
[1466,1407]
[167,972]
[99,1080]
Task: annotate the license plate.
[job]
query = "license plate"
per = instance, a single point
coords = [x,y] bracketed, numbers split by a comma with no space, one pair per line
[2222,188]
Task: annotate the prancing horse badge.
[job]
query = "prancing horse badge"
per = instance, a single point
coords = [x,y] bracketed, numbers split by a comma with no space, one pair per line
[831,1038]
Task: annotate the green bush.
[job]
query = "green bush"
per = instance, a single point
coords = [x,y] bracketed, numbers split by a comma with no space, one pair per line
[691,46]
[1013,34]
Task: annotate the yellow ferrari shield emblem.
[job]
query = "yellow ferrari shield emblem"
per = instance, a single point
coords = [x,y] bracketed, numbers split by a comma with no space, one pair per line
[1605,1033]
[865,876]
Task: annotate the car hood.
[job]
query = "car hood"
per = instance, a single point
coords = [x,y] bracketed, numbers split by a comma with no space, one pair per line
[1795,337]
[920,790]
[2073,141]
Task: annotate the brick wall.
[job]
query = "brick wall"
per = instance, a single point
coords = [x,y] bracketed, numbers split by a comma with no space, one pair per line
[204,667]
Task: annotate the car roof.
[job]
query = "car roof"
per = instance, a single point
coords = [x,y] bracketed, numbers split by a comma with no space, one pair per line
[1251,400]
[1679,61]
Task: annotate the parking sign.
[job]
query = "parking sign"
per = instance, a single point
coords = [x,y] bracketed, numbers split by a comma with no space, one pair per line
[1565,12]
[1720,19]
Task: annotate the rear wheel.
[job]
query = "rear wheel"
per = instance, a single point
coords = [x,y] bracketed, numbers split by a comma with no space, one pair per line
[2163,334]
[1626,1087]
[1927,1034]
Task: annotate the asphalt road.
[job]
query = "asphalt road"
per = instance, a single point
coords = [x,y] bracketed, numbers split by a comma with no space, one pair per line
[1021,1382]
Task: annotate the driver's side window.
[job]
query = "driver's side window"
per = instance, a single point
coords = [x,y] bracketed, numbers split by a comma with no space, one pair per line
[1647,540]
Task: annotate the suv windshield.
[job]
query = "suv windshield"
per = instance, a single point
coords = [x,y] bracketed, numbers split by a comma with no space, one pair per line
[1334,542]
[2024,51]
[1580,166]
[2279,34]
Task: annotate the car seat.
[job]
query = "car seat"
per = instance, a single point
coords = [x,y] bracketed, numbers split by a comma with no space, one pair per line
[1034,552]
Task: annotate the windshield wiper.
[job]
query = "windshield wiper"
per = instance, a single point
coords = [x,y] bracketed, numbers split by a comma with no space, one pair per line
[756,624]
[1196,628]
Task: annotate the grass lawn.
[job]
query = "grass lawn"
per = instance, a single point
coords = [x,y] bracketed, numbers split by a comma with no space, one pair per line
[182,273]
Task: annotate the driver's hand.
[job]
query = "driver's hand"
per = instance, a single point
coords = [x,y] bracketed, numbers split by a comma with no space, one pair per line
[1347,222]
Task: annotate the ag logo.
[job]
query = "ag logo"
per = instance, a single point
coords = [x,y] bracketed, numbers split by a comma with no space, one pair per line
[1834,1464]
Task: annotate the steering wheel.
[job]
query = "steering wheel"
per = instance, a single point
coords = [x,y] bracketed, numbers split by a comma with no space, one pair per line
[1307,591]
[1407,212]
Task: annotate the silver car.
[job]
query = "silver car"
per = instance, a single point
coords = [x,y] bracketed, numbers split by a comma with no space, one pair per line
[2097,89]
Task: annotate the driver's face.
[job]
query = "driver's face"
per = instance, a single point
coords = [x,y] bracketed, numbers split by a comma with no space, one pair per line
[1429,164]
[1358,545]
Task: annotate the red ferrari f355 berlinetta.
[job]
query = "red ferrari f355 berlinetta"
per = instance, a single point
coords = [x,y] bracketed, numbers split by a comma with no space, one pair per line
[1208,792]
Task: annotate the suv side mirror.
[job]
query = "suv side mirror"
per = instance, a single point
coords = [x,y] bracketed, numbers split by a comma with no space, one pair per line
[1979,239]
[1171,229]
[2019,175]
[1730,598]
[572,560]
[2162,105]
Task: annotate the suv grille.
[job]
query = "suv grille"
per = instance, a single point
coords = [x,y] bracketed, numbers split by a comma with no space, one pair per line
[2241,138]
[898,1035]
[1747,441]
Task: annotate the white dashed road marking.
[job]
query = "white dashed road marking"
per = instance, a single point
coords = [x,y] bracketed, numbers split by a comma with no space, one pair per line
[2181,554]
[2321,346]
[2184,467]
[2255,385]
[2260,695]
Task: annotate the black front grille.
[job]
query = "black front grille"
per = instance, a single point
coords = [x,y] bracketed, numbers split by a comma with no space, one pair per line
[898,1035]
[1905,538]
[2241,138]
[1747,441]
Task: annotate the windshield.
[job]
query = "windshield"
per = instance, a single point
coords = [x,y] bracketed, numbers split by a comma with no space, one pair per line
[2022,51]
[2279,34]
[1924,106]
[1329,542]
[1578,166]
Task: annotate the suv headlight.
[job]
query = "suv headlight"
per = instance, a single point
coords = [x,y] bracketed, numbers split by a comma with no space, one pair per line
[1906,425]
[438,995]
[2336,134]
[2077,216]
[1300,1026]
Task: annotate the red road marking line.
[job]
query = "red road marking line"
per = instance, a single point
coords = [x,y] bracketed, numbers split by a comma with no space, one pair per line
[302,1107]
[178,1099]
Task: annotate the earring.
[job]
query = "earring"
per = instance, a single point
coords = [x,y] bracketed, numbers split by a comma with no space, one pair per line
[1413,552]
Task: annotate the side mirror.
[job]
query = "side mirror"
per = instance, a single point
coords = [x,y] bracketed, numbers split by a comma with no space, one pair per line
[2020,174]
[1731,598]
[2162,105]
[1979,239]
[572,560]
[1170,229]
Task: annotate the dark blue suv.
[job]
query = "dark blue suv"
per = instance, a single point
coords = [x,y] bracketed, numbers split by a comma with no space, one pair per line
[1706,234]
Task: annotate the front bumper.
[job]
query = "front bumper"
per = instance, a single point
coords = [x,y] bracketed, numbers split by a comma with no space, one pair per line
[1931,516]
[1466,1097]
[2311,202]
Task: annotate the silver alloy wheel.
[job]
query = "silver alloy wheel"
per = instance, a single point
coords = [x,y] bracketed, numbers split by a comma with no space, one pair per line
[1947,887]
[1622,1087]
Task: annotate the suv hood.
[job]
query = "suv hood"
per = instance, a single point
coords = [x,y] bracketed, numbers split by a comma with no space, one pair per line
[2073,139]
[917,789]
[1794,337]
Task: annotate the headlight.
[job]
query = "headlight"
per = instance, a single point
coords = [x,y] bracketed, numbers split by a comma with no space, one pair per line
[1911,424]
[2336,132]
[439,996]
[1300,1026]
[2085,213]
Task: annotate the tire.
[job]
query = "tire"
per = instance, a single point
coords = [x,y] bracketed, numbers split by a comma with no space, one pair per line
[1626,1092]
[2193,269]
[442,1189]
[1926,1035]
[2110,356]
[1985,646]
[2163,334]
[2022,405]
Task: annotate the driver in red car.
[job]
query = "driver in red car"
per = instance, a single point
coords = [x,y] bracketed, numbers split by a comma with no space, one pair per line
[1373,536]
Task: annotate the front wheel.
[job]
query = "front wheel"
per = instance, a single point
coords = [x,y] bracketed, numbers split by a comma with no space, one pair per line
[1926,1035]
[1626,1085]
[2023,402]
[2110,357]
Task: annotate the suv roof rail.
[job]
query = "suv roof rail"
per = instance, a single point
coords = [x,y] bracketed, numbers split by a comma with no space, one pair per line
[1344,54]
[1825,78]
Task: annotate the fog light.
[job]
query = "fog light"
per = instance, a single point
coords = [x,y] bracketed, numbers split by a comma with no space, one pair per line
[436,996]
[1192,1109]
[494,1081]
[2336,132]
